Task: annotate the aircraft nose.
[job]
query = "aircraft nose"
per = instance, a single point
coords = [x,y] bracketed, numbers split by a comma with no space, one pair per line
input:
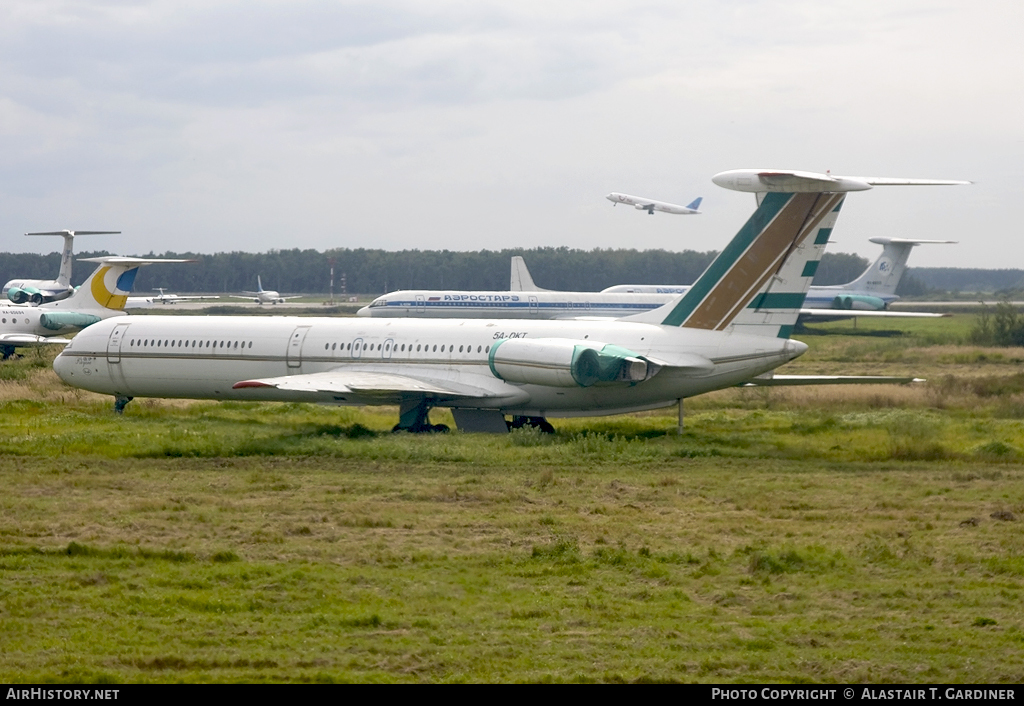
[365,311]
[62,366]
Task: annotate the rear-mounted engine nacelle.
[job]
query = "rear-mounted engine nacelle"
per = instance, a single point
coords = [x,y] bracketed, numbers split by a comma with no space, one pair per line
[564,362]
[858,302]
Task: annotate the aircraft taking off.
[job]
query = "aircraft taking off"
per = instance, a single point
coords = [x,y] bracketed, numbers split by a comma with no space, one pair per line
[869,295]
[38,291]
[103,295]
[730,328]
[264,296]
[650,205]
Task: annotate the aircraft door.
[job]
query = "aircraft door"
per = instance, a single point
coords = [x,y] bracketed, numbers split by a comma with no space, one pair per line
[389,347]
[357,348]
[534,309]
[420,304]
[114,343]
[295,346]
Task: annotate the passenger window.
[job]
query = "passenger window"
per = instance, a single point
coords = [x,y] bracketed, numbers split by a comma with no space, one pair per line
[236,344]
[478,349]
[334,346]
[250,344]
[460,349]
[487,349]
[435,348]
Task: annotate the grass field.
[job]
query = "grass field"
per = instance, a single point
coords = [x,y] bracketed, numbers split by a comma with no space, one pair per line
[827,534]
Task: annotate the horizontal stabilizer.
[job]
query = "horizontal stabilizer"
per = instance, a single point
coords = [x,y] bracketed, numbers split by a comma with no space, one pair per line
[790,380]
[77,232]
[119,260]
[879,313]
[910,241]
[792,181]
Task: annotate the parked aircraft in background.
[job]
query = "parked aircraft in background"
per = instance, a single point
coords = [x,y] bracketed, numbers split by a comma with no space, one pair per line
[38,291]
[650,205]
[732,327]
[164,298]
[102,296]
[264,296]
[868,295]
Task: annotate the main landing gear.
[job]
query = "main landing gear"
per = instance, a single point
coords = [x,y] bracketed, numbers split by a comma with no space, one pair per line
[120,402]
[533,423]
[413,419]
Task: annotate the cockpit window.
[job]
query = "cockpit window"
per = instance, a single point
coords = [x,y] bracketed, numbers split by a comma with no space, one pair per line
[379,302]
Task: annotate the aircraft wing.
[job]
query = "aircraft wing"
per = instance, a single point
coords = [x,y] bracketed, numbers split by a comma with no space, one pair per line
[850,313]
[790,380]
[337,385]
[28,339]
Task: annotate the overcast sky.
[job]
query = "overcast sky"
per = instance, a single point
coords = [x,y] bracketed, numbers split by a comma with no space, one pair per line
[213,126]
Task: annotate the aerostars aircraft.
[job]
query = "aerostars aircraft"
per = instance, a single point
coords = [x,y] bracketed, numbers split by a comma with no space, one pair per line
[732,327]
[102,296]
[868,295]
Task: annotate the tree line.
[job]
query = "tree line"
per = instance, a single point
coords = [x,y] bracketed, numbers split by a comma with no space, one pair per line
[372,272]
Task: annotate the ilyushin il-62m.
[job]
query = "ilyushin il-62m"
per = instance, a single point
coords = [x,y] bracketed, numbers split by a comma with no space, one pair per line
[732,327]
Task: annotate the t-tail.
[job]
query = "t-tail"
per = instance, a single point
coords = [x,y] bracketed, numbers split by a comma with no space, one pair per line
[884,275]
[107,288]
[66,255]
[758,283]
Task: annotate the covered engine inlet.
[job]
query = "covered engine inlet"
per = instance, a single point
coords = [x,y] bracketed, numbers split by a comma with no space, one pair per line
[565,362]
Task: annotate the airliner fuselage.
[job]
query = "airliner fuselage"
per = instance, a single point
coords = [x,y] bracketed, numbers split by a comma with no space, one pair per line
[204,358]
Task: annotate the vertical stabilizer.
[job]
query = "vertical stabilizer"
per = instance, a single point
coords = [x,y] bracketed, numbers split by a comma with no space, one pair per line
[884,275]
[759,281]
[521,281]
[108,286]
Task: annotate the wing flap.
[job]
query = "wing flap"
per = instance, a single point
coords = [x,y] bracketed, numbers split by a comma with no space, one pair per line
[326,386]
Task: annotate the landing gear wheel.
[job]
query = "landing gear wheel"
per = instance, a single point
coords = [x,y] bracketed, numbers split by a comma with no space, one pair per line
[120,402]
[533,423]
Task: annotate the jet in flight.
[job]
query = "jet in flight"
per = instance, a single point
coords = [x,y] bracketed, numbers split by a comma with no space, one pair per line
[732,327]
[264,296]
[650,205]
[102,296]
[38,291]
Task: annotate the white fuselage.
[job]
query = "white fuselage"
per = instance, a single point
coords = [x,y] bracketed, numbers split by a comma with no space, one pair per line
[203,358]
[613,303]
[649,205]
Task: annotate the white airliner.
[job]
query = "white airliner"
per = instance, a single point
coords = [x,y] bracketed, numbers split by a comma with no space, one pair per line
[164,298]
[650,205]
[868,295]
[38,291]
[102,296]
[265,296]
[732,327]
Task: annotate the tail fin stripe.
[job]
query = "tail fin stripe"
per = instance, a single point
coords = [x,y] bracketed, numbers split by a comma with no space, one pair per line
[704,287]
[820,208]
[758,262]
